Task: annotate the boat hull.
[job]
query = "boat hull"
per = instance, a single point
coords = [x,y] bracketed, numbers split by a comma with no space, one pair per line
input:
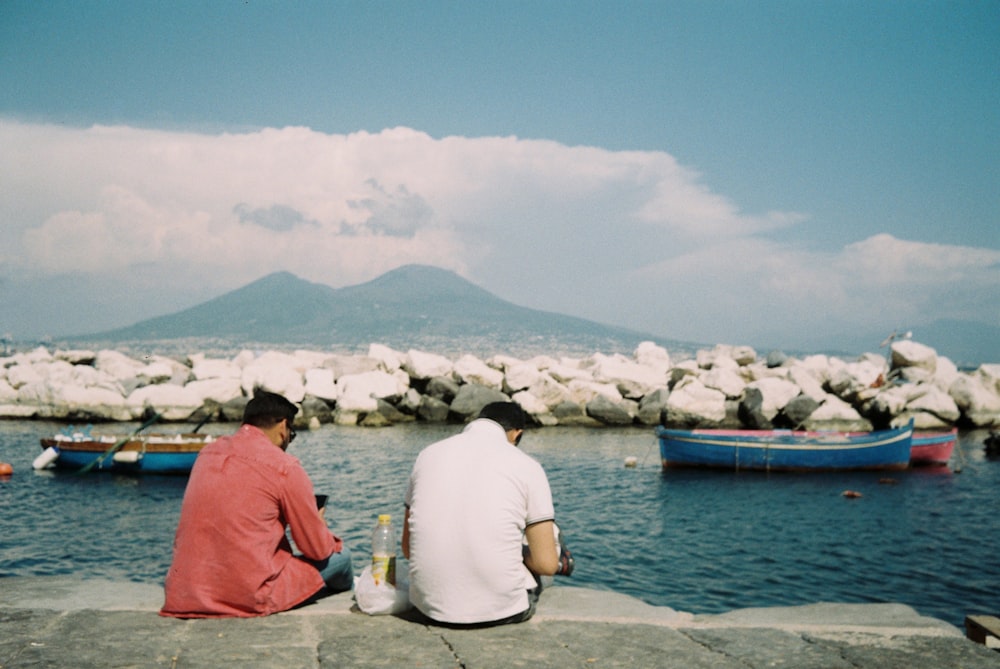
[156,454]
[932,449]
[785,450]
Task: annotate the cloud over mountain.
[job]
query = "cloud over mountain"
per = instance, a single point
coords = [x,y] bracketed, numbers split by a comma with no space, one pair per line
[153,221]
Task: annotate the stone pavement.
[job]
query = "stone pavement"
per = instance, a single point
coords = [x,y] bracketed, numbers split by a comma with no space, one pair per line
[63,622]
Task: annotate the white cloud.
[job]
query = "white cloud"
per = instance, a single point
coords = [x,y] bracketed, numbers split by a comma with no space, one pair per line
[631,238]
[761,286]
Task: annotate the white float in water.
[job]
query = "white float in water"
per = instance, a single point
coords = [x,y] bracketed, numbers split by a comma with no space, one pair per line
[48,456]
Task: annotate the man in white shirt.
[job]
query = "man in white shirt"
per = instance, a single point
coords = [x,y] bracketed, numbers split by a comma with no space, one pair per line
[472,501]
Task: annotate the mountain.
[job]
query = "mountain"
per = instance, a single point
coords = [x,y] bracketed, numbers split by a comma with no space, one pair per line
[414,306]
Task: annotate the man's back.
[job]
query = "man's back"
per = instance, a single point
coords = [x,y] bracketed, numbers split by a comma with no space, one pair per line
[470,499]
[231,557]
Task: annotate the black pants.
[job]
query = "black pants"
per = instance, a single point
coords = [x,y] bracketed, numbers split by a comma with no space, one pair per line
[417,616]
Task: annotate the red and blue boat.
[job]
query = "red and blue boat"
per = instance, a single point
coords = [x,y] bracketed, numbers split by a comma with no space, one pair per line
[932,449]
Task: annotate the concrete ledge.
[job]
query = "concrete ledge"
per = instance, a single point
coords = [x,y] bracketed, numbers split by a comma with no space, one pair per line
[61,621]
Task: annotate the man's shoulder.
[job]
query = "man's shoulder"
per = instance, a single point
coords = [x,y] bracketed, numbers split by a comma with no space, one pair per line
[252,445]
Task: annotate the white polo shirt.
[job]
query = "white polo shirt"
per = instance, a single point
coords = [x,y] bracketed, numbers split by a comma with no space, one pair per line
[470,498]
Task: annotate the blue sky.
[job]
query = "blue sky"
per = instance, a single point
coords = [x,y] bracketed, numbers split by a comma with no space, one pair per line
[784,174]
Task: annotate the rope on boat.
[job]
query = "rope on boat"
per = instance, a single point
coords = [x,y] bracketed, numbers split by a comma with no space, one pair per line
[961,454]
[118,444]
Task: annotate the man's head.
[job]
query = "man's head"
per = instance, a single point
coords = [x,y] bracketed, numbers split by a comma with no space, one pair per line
[273,414]
[509,415]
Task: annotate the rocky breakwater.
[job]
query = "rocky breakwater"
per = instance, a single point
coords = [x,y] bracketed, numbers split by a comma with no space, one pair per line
[726,386]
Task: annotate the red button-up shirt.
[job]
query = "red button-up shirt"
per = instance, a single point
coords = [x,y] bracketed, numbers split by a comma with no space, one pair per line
[231,554]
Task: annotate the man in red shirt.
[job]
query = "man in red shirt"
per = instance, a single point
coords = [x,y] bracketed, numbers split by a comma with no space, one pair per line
[232,556]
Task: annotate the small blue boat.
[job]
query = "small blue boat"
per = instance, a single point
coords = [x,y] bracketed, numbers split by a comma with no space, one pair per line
[786,450]
[129,454]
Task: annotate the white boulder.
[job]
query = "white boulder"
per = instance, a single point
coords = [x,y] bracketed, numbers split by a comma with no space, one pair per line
[421,365]
[726,380]
[549,391]
[719,356]
[891,400]
[847,381]
[219,390]
[356,387]
[805,377]
[22,374]
[273,375]
[979,404]
[632,379]
[775,394]
[582,392]
[564,372]
[390,359]
[933,400]
[989,376]
[531,404]
[118,365]
[520,376]
[653,356]
[95,402]
[212,368]
[470,369]
[834,410]
[908,353]
[172,402]
[320,383]
[691,403]
[343,365]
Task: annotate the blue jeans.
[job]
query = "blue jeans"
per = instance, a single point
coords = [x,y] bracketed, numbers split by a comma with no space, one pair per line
[336,570]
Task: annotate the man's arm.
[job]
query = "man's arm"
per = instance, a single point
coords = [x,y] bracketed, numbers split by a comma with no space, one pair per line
[542,557]
[405,541]
[307,524]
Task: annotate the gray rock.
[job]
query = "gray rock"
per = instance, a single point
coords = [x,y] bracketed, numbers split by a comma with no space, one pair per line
[607,412]
[653,407]
[313,407]
[472,397]
[410,402]
[442,388]
[392,414]
[776,359]
[750,410]
[798,410]
[232,411]
[374,419]
[432,410]
[571,413]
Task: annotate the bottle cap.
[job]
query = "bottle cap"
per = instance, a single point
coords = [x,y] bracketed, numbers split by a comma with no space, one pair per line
[384,519]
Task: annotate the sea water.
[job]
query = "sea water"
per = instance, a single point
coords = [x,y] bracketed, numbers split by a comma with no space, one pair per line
[697,541]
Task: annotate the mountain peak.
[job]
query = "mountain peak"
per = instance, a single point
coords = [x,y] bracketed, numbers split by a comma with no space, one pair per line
[418,283]
[413,306]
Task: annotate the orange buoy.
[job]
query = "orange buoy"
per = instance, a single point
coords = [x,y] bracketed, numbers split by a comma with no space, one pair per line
[6,469]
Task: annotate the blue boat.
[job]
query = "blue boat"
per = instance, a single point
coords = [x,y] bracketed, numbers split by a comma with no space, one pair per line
[785,450]
[128,454]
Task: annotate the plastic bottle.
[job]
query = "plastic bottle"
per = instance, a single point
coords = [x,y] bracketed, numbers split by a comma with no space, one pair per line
[384,551]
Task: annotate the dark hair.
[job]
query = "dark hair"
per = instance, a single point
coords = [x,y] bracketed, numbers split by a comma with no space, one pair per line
[267,409]
[509,414]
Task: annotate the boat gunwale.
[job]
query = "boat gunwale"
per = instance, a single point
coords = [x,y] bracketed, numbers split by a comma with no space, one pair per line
[133,444]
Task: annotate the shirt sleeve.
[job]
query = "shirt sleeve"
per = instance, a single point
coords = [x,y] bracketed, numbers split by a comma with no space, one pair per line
[309,531]
[539,497]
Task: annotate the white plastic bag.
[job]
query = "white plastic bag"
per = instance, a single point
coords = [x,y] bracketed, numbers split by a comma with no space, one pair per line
[383,599]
